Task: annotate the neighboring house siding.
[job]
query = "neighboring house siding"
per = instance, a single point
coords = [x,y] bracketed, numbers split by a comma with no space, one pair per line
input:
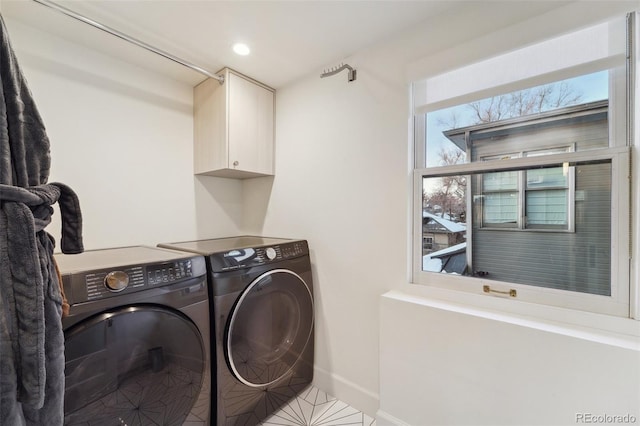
[442,240]
[586,132]
[564,260]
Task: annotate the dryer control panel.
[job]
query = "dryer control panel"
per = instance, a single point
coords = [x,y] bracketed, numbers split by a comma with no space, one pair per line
[255,256]
[104,283]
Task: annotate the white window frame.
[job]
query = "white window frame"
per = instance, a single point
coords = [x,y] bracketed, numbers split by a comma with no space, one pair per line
[431,95]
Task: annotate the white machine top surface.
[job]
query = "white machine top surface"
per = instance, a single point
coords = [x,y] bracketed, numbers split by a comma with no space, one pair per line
[115,257]
[219,245]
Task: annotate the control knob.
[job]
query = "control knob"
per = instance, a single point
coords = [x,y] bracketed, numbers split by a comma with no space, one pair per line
[271,253]
[116,281]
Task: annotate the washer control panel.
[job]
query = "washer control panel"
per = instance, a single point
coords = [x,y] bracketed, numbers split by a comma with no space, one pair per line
[255,256]
[104,283]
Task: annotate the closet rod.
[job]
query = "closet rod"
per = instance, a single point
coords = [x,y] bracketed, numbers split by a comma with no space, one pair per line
[130,39]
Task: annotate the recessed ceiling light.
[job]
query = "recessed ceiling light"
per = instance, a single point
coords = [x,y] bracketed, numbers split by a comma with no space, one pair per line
[241,49]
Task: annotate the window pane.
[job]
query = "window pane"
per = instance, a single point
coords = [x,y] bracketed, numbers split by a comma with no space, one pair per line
[500,207]
[547,207]
[444,223]
[500,181]
[464,133]
[547,178]
[577,261]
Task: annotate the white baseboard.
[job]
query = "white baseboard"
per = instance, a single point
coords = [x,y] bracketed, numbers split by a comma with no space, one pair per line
[386,419]
[356,396]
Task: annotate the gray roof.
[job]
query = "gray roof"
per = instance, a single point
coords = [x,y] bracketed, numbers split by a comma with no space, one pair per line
[449,225]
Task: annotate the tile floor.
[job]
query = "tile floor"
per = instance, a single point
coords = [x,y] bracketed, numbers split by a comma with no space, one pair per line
[313,407]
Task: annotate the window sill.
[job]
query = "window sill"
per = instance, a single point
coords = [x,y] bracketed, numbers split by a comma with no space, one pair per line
[605,329]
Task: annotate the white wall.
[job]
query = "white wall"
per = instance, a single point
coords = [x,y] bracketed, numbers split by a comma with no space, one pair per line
[122,138]
[469,368]
[341,162]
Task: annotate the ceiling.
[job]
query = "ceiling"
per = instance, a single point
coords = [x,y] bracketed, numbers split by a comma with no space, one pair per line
[288,39]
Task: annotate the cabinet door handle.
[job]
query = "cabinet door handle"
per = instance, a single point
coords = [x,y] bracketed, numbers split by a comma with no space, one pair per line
[236,163]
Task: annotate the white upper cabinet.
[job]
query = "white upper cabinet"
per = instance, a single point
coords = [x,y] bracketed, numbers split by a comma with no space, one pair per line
[233,127]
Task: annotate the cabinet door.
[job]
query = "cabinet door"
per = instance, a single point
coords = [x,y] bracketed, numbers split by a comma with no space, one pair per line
[251,121]
[210,127]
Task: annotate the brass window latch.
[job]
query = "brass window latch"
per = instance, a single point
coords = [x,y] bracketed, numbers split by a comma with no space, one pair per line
[511,292]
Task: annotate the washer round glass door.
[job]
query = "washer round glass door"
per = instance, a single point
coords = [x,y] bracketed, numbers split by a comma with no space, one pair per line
[137,365]
[269,327]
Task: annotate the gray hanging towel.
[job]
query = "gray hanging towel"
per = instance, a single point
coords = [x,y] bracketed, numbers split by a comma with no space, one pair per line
[24,145]
[31,336]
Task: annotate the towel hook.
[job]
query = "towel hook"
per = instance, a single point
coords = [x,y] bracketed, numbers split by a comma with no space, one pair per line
[336,70]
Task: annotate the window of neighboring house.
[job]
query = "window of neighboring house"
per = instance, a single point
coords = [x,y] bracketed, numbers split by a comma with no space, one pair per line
[536,178]
[500,199]
[427,243]
[549,196]
[538,199]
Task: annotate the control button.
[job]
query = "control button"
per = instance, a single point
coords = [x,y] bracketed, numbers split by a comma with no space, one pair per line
[271,253]
[116,280]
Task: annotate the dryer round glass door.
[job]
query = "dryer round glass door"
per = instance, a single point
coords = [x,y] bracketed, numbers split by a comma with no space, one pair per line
[137,365]
[269,327]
